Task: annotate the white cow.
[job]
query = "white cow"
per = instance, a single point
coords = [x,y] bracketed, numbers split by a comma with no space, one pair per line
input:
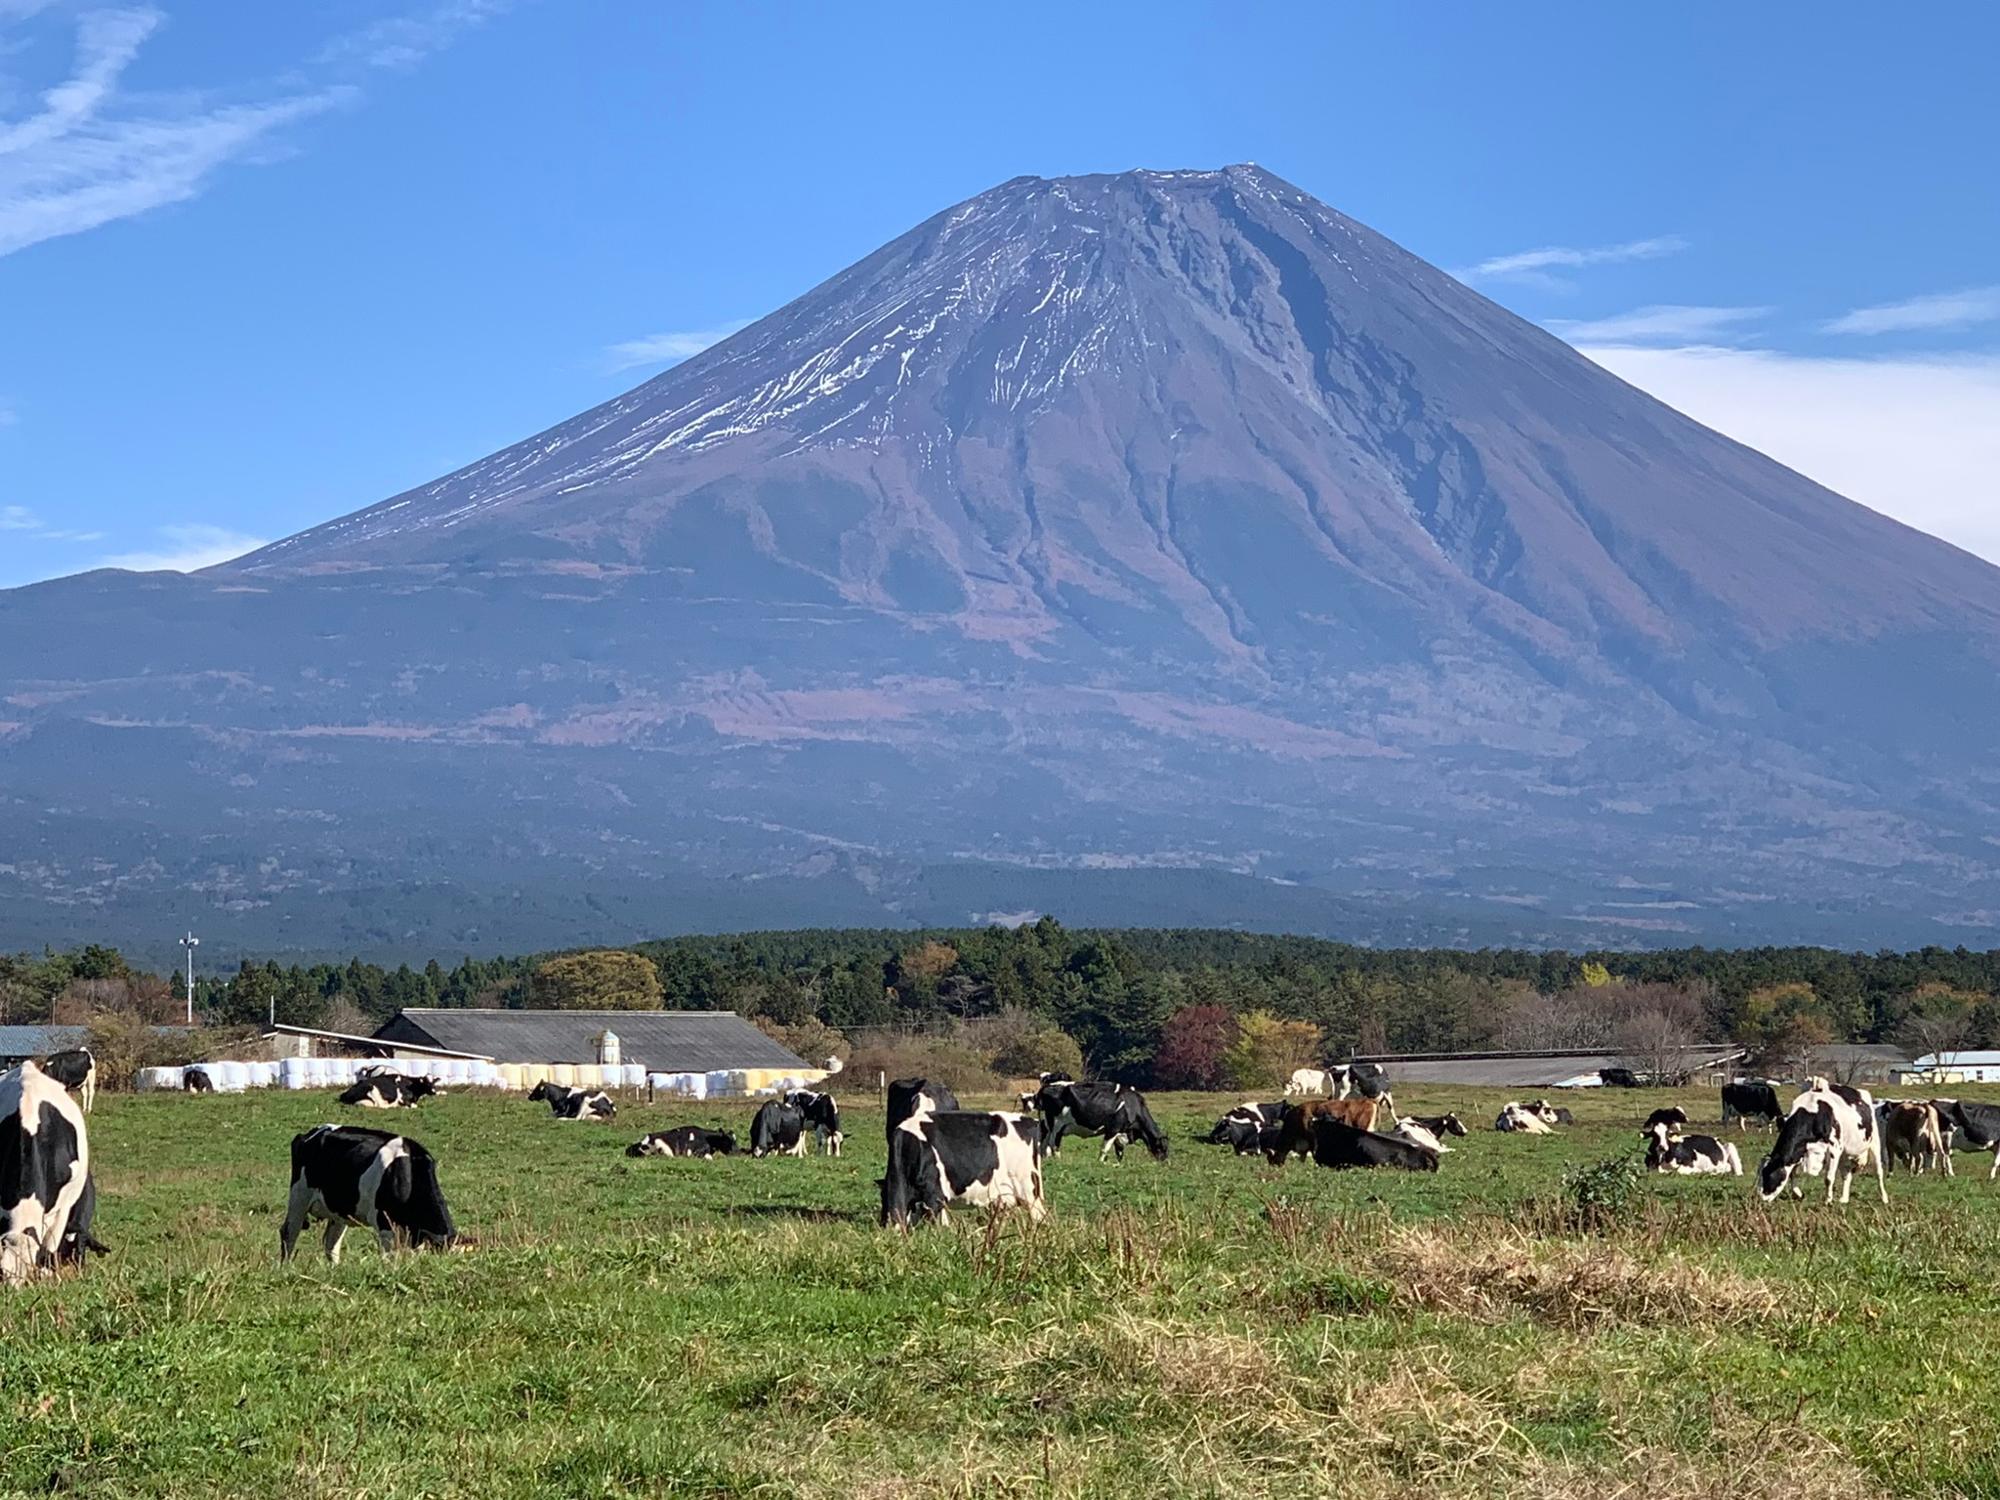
[1830,1132]
[1417,1135]
[1515,1116]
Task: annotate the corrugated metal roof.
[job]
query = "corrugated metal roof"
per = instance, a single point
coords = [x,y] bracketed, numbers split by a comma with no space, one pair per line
[666,1041]
[1970,1058]
[37,1041]
[1529,1072]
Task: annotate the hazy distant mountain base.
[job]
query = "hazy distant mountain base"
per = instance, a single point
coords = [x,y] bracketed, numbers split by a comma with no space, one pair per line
[1164,547]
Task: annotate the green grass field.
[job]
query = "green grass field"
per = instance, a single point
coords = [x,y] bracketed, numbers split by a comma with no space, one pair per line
[1207,1326]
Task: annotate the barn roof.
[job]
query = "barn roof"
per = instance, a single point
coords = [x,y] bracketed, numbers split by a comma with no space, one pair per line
[666,1041]
[36,1041]
[1545,1070]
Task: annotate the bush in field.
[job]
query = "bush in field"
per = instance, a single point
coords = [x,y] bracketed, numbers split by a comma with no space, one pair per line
[1194,1048]
[606,980]
[1024,1045]
[1598,1196]
[813,1041]
[945,1060]
[123,1042]
[1268,1049]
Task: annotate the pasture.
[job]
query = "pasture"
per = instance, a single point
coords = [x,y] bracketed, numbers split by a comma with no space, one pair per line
[1204,1326]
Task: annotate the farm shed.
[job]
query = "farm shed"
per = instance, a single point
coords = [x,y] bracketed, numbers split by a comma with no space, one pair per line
[1860,1062]
[19,1043]
[1968,1066]
[1535,1070]
[677,1042]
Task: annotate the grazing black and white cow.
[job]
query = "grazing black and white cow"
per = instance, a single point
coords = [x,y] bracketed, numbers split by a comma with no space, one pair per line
[370,1179]
[1750,1099]
[75,1070]
[684,1140]
[44,1171]
[778,1129]
[1673,1117]
[566,1103]
[1690,1155]
[1830,1132]
[78,1244]
[1338,1144]
[1971,1127]
[197,1081]
[383,1090]
[822,1117]
[910,1097]
[1114,1111]
[1369,1081]
[1440,1125]
[962,1156]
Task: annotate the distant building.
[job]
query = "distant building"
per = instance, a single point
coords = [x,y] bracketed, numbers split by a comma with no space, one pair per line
[663,1041]
[1969,1066]
[1542,1070]
[1860,1062]
[19,1043]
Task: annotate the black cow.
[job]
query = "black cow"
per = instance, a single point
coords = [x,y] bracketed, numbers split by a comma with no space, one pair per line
[1338,1144]
[822,1118]
[197,1081]
[351,1175]
[44,1171]
[1111,1110]
[574,1104]
[384,1090]
[1750,1099]
[1441,1125]
[684,1140]
[1368,1080]
[1618,1078]
[1671,1116]
[1976,1126]
[75,1070]
[778,1128]
[910,1097]
[962,1156]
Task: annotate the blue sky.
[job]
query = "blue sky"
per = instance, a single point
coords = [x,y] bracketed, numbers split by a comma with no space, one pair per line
[266,263]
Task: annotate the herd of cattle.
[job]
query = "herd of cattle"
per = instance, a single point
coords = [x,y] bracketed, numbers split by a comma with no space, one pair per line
[940,1154]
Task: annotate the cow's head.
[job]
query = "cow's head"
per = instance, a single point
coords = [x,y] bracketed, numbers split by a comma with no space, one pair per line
[1804,1141]
[420,1088]
[539,1092]
[1451,1125]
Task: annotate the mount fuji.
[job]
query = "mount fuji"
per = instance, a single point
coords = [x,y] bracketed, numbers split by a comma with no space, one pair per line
[1153,548]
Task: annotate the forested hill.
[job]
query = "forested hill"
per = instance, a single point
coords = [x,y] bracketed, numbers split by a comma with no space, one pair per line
[1117,990]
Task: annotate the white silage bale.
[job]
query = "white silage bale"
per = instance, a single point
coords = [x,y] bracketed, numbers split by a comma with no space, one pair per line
[292,1073]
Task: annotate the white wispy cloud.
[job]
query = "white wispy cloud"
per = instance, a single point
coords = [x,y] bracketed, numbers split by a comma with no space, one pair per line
[89,154]
[404,41]
[667,348]
[1535,265]
[18,518]
[25,522]
[186,549]
[1913,438]
[1661,322]
[1935,313]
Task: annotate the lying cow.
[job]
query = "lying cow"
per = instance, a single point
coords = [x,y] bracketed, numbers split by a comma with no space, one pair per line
[384,1090]
[778,1129]
[962,1156]
[1114,1111]
[1970,1127]
[369,1179]
[1417,1134]
[44,1173]
[1244,1136]
[684,1140]
[566,1103]
[1750,1099]
[1913,1136]
[197,1081]
[1673,1117]
[1831,1133]
[1552,1114]
[822,1118]
[1518,1118]
[912,1097]
[1337,1144]
[75,1070]
[1618,1078]
[1295,1131]
[1690,1155]
[1256,1116]
[1440,1125]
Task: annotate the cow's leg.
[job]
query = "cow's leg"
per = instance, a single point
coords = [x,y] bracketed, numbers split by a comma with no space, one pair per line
[385,1236]
[335,1228]
[1881,1187]
[1996,1162]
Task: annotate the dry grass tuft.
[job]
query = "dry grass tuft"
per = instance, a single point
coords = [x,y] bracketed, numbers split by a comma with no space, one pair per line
[1571,1285]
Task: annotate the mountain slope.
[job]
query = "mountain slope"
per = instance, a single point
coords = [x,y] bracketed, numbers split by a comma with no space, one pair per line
[1164,520]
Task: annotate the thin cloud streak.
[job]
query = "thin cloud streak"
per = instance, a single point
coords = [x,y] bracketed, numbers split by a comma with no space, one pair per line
[667,348]
[187,549]
[404,41]
[1533,265]
[1935,313]
[1662,322]
[1913,438]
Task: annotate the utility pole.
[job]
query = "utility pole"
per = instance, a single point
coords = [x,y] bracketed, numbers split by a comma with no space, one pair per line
[190,942]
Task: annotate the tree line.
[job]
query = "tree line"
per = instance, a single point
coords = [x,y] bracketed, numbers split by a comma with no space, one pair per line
[1139,1004]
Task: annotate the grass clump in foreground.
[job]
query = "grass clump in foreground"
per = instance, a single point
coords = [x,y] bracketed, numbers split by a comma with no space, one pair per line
[1206,1326]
